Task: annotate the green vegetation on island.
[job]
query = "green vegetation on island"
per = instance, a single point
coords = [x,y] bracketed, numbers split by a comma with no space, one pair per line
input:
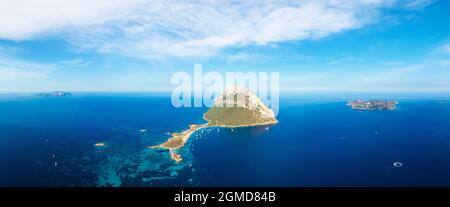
[234,108]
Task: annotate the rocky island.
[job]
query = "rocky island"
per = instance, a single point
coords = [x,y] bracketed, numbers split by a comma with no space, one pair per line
[234,108]
[56,94]
[373,105]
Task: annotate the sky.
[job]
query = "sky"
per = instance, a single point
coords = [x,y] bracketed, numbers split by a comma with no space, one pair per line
[137,45]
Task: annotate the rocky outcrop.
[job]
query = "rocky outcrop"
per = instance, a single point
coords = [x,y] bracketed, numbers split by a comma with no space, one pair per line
[373,105]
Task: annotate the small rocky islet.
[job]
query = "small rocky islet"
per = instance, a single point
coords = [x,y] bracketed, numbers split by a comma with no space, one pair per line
[373,105]
[55,94]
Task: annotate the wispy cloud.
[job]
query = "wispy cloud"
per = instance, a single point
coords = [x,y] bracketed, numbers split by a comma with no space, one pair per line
[76,63]
[393,63]
[418,4]
[175,28]
[14,69]
[443,50]
[239,56]
[441,55]
[14,73]
[335,61]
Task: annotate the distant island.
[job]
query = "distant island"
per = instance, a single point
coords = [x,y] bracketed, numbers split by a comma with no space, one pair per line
[373,105]
[234,108]
[56,94]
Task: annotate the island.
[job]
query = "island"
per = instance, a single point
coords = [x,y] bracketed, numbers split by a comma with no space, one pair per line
[236,107]
[100,144]
[373,105]
[55,94]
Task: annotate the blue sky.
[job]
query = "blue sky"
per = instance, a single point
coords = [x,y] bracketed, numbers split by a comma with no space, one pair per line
[112,45]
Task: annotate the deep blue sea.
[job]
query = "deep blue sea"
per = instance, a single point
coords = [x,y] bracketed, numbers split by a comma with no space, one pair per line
[319,141]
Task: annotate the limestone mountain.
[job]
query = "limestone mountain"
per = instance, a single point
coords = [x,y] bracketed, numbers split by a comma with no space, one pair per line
[239,107]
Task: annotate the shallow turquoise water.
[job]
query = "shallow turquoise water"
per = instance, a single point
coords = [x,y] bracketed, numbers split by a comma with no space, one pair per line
[319,141]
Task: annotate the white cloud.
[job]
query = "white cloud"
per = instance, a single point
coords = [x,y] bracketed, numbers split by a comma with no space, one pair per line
[240,56]
[393,63]
[421,77]
[418,4]
[445,63]
[76,63]
[441,55]
[444,49]
[399,71]
[335,61]
[364,78]
[17,70]
[23,19]
[14,73]
[175,28]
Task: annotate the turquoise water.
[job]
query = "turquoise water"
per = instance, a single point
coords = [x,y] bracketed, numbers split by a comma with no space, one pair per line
[319,141]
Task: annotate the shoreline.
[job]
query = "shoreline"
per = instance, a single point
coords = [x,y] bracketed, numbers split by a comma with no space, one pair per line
[179,140]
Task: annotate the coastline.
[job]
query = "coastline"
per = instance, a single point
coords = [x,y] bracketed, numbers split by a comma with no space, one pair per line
[179,140]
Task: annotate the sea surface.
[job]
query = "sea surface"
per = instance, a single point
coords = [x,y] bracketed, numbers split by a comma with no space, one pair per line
[319,141]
